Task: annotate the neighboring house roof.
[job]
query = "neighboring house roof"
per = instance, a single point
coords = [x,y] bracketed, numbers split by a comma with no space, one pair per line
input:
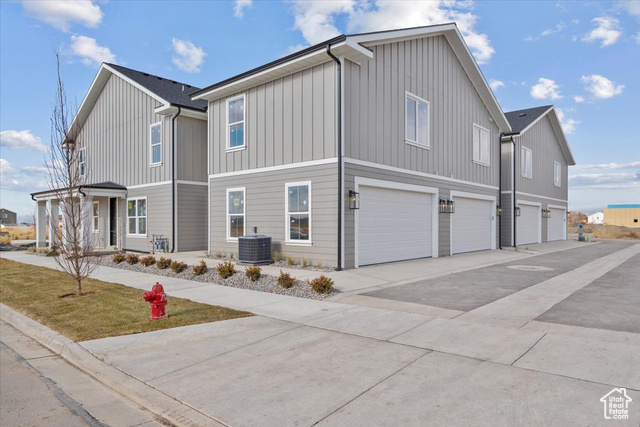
[523,120]
[355,48]
[7,211]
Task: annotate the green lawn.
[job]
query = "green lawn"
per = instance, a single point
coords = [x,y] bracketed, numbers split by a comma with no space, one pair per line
[112,310]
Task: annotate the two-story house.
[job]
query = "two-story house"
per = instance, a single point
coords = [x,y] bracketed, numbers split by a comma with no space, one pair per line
[362,149]
[142,145]
[535,161]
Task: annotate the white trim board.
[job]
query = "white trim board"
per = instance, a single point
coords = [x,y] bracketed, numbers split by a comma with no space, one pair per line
[153,184]
[204,184]
[275,168]
[519,193]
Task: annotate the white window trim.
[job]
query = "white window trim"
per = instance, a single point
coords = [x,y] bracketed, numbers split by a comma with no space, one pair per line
[522,158]
[82,160]
[129,234]
[151,144]
[93,217]
[287,221]
[416,98]
[244,123]
[559,182]
[480,162]
[244,212]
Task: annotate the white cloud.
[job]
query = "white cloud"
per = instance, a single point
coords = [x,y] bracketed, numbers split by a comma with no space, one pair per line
[6,168]
[61,14]
[189,57]
[90,52]
[241,5]
[19,139]
[601,87]
[27,178]
[568,125]
[637,36]
[607,30]
[578,99]
[495,84]
[607,166]
[316,19]
[599,179]
[546,88]
[631,7]
[549,31]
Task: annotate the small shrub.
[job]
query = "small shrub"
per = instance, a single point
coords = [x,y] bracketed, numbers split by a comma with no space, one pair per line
[132,259]
[291,261]
[200,268]
[178,267]
[32,249]
[277,256]
[322,284]
[118,258]
[319,265]
[305,262]
[147,260]
[226,270]
[163,263]
[253,273]
[232,255]
[219,254]
[285,280]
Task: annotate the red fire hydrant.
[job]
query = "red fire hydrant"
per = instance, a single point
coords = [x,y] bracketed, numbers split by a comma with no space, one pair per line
[158,300]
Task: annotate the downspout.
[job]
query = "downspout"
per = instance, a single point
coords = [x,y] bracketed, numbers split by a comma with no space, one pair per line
[513,194]
[173,180]
[339,65]
[500,192]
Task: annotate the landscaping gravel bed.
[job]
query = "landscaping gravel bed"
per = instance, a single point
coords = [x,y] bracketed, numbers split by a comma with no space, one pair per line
[266,283]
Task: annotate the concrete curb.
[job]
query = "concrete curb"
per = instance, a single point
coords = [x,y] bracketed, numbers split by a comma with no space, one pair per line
[164,406]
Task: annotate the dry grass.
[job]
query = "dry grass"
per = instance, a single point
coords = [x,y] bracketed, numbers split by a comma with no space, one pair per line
[609,232]
[18,234]
[107,309]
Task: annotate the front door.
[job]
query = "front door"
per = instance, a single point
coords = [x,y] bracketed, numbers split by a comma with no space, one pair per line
[113,221]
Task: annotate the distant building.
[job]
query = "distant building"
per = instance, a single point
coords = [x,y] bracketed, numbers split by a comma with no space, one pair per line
[596,218]
[625,215]
[8,217]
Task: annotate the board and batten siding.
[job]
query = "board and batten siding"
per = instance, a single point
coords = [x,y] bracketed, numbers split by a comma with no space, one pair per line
[192,217]
[158,216]
[375,110]
[288,120]
[191,156]
[542,141]
[265,209]
[116,135]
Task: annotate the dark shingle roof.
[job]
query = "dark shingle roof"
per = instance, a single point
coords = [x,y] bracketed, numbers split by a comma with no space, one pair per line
[520,119]
[174,92]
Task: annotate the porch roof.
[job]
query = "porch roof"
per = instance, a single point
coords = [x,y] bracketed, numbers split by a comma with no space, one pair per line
[106,188]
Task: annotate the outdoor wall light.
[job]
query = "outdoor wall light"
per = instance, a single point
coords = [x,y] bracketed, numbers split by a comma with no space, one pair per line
[499,210]
[446,206]
[451,206]
[517,210]
[354,200]
[546,213]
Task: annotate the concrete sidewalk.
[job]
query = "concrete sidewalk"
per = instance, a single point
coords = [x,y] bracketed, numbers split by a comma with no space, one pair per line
[301,362]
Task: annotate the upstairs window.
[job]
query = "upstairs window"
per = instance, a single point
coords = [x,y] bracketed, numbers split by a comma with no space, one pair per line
[557,174]
[481,145]
[417,120]
[235,123]
[156,144]
[235,213]
[82,161]
[137,217]
[526,162]
[298,207]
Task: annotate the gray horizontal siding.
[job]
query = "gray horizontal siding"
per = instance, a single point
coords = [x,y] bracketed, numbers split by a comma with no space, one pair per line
[375,110]
[191,149]
[265,209]
[192,217]
[158,216]
[288,120]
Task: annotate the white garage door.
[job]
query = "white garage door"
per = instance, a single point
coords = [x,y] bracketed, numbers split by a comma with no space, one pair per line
[471,225]
[393,225]
[557,225]
[528,224]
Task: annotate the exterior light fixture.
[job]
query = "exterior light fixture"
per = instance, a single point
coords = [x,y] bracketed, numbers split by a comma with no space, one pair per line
[517,210]
[451,206]
[546,213]
[354,200]
[499,210]
[446,206]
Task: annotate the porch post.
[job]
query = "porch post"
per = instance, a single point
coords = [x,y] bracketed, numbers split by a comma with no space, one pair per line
[86,219]
[54,221]
[41,224]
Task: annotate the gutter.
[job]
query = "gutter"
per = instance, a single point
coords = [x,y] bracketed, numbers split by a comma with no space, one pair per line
[500,193]
[340,158]
[174,181]
[513,194]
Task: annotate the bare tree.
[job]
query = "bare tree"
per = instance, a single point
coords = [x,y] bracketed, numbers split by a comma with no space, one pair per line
[67,173]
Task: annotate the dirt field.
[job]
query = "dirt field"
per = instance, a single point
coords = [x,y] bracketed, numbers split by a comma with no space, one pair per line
[609,232]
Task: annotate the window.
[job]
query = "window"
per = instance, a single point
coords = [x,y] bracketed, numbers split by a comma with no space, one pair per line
[156,144]
[557,174]
[235,213]
[525,162]
[417,120]
[481,145]
[96,217]
[137,215]
[298,207]
[82,160]
[235,123]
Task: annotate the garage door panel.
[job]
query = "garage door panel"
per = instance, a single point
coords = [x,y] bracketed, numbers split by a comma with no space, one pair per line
[528,224]
[556,224]
[471,225]
[393,225]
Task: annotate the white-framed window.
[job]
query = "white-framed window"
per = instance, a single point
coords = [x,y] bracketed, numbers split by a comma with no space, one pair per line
[137,216]
[298,212]
[481,145]
[557,174]
[96,217]
[82,161]
[235,123]
[155,141]
[416,129]
[235,213]
[526,162]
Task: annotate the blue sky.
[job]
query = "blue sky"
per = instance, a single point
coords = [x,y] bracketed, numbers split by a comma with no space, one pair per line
[583,57]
